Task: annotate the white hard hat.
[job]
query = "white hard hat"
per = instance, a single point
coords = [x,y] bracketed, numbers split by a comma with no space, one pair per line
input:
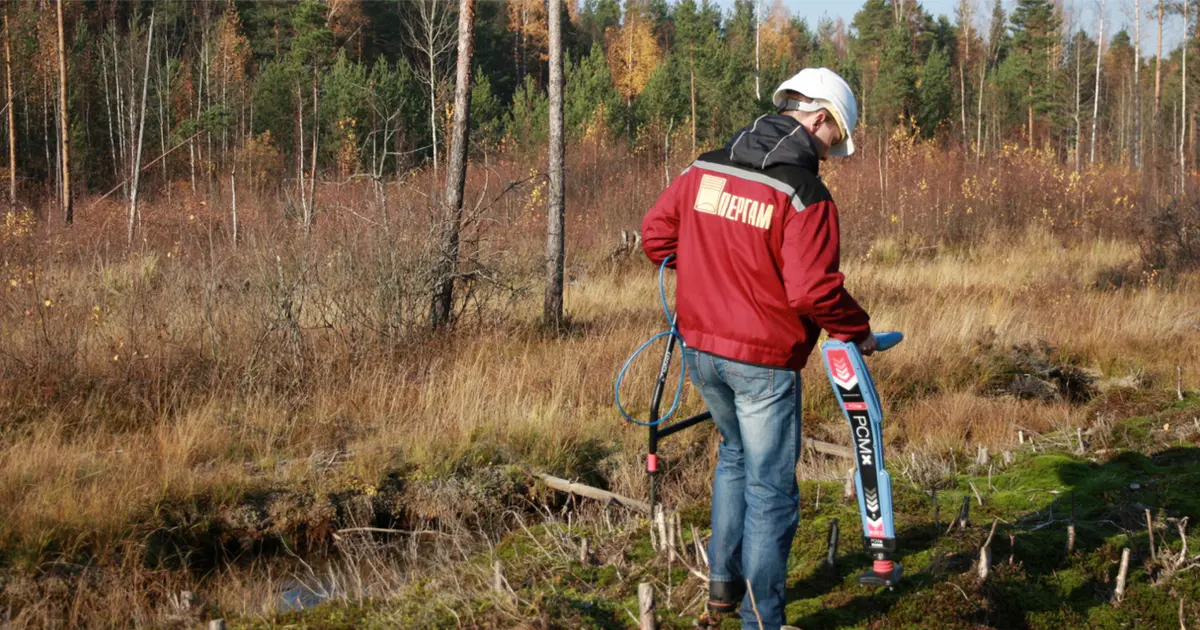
[831,92]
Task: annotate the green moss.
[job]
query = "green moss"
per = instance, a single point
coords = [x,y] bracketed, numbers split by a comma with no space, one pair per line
[1034,583]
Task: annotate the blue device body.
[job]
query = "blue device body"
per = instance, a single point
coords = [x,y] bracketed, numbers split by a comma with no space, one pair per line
[855,392]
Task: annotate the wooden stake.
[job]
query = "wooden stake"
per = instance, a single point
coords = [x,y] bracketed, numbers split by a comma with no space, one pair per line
[981,456]
[937,510]
[1008,457]
[1124,570]
[985,562]
[1179,381]
[1021,436]
[646,606]
[219,624]
[677,540]
[497,577]
[660,522]
[699,544]
[669,522]
[1071,528]
[583,552]
[831,551]
[978,497]
[848,489]
[1150,528]
[985,553]
[964,513]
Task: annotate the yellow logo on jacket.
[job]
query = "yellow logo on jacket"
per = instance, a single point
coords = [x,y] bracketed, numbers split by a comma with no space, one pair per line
[711,198]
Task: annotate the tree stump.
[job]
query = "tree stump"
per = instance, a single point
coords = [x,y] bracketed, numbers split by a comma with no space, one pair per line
[646,606]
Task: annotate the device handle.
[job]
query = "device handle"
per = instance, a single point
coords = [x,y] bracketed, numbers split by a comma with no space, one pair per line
[887,340]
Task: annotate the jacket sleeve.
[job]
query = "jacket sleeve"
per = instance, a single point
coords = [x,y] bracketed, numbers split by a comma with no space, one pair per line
[815,286]
[660,226]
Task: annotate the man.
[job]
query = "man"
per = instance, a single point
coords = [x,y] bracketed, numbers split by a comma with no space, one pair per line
[755,235]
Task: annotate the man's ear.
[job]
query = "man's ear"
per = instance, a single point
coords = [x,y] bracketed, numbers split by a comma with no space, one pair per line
[821,118]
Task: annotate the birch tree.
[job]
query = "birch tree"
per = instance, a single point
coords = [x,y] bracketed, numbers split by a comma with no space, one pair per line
[64,142]
[137,160]
[1096,97]
[1158,75]
[430,33]
[1183,110]
[1137,86]
[456,172]
[966,15]
[552,309]
[12,126]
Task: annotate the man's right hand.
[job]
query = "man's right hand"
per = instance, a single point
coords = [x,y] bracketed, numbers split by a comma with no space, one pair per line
[867,346]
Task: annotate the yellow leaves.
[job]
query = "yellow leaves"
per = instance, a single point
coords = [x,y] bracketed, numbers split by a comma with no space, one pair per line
[16,224]
[347,151]
[527,18]
[775,39]
[259,159]
[232,50]
[633,55]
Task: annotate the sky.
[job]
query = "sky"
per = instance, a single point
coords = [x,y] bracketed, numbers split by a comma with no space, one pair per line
[1119,15]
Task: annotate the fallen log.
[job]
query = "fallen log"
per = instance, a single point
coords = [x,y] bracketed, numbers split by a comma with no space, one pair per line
[825,448]
[583,490]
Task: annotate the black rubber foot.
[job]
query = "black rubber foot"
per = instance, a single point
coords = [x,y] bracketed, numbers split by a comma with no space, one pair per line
[871,578]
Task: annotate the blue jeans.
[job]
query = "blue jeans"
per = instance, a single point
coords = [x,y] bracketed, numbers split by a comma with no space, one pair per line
[756,502]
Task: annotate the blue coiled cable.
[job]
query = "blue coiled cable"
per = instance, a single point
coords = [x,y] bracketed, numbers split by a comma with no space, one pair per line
[672,331]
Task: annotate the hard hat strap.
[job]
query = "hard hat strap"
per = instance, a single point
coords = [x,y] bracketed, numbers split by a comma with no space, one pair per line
[816,105]
[803,106]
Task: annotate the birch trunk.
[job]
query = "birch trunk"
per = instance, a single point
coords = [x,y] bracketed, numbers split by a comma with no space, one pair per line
[552,309]
[164,94]
[1183,108]
[433,127]
[64,141]
[1078,99]
[233,201]
[962,75]
[312,180]
[1096,100]
[1137,86]
[300,156]
[12,127]
[692,75]
[456,172]
[137,160]
[757,38]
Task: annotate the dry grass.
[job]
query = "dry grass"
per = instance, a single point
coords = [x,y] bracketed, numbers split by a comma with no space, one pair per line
[133,382]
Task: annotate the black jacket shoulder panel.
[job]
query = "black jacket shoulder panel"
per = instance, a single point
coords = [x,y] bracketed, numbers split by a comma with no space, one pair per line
[806,188]
[809,187]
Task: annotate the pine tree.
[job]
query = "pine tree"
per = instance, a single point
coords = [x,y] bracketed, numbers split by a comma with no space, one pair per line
[936,92]
[1035,26]
[589,91]
[896,91]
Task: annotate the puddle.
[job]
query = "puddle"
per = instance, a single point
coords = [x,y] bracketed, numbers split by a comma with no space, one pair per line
[295,595]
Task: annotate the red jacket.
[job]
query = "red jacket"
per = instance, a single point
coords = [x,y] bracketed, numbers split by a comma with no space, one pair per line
[755,234]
